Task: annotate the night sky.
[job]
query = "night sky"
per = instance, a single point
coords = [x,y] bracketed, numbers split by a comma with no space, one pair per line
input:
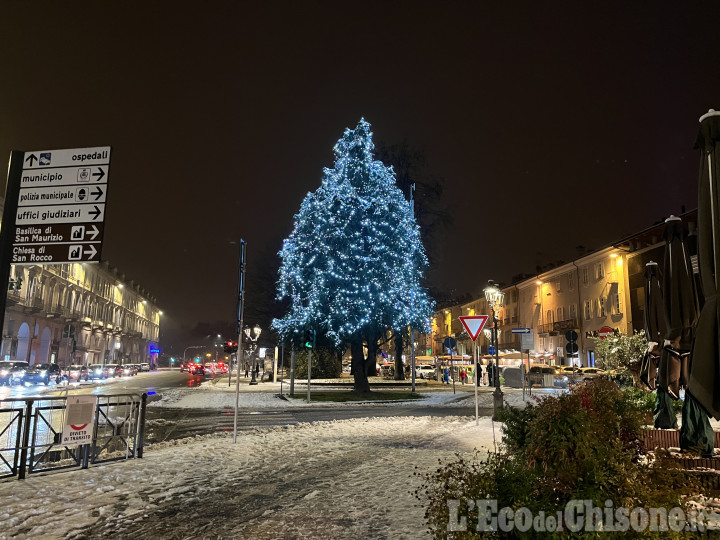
[552,126]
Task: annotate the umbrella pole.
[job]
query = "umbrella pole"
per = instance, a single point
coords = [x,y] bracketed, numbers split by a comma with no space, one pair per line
[713,214]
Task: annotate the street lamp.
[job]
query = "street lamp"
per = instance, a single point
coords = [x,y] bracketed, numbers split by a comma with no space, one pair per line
[495,298]
[253,345]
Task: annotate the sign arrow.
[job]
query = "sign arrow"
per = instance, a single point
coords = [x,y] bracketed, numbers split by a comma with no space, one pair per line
[98,193]
[100,174]
[95,212]
[30,159]
[87,251]
[94,232]
[520,330]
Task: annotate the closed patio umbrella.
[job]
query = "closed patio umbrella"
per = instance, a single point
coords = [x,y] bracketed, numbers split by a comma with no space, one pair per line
[654,325]
[681,313]
[704,372]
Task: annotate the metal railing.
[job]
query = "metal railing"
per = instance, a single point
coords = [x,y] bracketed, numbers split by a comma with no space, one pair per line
[31,434]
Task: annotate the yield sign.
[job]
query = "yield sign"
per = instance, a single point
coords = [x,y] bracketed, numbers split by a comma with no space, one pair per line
[474,324]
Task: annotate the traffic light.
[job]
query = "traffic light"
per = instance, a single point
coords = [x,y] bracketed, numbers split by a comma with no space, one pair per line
[310,340]
[230,347]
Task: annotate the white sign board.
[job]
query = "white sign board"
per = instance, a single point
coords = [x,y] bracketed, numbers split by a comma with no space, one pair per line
[79,420]
[61,192]
[527,342]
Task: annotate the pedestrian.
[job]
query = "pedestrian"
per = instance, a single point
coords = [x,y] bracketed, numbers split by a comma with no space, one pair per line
[246,372]
[463,376]
[446,376]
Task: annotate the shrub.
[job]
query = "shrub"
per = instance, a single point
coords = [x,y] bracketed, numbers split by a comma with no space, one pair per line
[581,445]
[325,364]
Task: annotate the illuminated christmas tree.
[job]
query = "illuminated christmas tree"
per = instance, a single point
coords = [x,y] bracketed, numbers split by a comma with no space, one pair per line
[351,267]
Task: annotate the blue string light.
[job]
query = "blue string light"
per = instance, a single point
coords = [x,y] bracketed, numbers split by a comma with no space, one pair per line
[353,262]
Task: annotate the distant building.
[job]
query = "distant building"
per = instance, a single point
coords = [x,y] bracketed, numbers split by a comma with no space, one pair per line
[78,314]
[601,290]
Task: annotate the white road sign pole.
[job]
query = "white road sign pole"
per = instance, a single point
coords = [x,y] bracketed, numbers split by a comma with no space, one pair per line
[476,380]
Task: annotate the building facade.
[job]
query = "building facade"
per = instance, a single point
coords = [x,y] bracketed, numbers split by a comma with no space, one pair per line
[78,314]
[599,292]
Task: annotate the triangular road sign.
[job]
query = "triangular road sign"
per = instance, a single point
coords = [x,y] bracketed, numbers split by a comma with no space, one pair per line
[474,324]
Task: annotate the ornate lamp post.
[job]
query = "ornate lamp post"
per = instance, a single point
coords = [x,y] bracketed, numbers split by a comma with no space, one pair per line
[252,338]
[495,298]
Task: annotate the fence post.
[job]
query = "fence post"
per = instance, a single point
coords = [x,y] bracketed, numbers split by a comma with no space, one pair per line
[141,424]
[25,439]
[85,455]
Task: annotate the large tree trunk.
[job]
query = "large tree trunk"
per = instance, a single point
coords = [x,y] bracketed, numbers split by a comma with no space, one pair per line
[358,366]
[399,370]
[371,362]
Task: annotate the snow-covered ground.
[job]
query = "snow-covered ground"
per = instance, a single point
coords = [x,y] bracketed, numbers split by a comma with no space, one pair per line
[339,479]
[217,394]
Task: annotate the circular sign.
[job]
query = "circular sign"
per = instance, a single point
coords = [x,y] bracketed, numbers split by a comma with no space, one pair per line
[571,347]
[491,349]
[604,332]
[449,343]
[571,335]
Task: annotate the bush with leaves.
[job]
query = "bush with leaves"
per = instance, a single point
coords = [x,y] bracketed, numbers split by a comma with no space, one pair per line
[325,363]
[644,400]
[581,445]
[621,353]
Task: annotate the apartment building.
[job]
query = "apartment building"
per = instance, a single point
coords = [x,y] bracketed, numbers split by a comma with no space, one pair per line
[78,314]
[599,292]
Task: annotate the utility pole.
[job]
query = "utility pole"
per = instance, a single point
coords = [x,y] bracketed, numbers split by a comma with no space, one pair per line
[241,304]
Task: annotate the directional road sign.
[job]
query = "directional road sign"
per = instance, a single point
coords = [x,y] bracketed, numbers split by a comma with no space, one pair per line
[61,206]
[491,350]
[520,330]
[474,324]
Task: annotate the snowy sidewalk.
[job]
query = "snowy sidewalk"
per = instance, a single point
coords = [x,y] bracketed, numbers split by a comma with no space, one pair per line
[217,394]
[340,479]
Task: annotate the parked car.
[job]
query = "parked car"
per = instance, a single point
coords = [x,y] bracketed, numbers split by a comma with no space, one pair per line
[387,370]
[590,373]
[8,368]
[42,373]
[17,372]
[425,372]
[114,370]
[568,375]
[536,375]
[135,368]
[128,370]
[98,371]
[76,372]
[144,367]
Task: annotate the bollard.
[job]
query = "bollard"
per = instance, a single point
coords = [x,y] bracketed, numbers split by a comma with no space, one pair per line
[141,427]
[85,455]
[25,439]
